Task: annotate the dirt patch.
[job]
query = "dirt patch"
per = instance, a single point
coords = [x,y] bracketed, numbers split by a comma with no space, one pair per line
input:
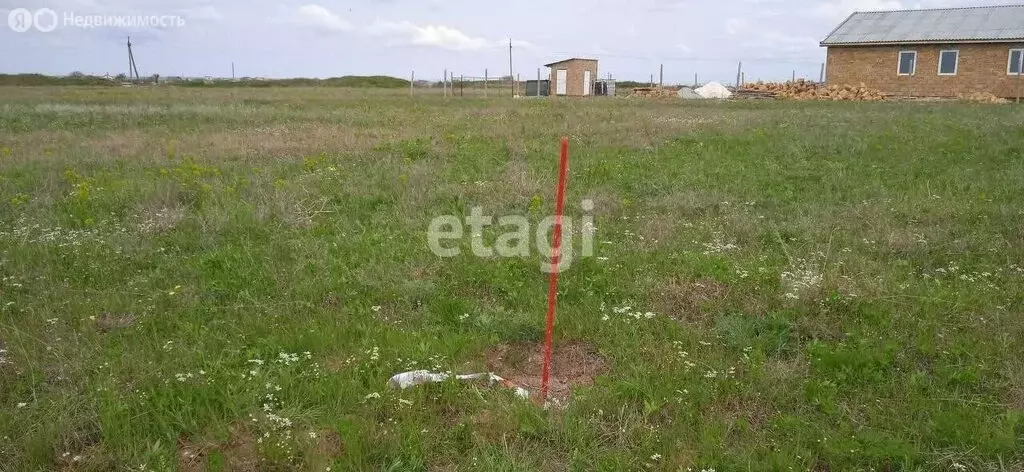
[239,452]
[573,364]
[329,444]
[684,300]
[192,456]
[107,322]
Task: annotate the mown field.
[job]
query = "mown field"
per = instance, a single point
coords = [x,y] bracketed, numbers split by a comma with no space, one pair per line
[225,279]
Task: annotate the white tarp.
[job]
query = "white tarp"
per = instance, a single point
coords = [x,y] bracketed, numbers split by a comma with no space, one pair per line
[713,90]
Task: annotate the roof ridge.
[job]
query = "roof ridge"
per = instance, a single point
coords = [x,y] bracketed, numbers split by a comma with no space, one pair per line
[994,23]
[979,7]
[834,30]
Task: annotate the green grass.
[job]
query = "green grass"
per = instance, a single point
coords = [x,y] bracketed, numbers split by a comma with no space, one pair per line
[837,286]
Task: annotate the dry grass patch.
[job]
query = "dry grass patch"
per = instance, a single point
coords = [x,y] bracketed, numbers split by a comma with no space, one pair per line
[686,300]
[239,452]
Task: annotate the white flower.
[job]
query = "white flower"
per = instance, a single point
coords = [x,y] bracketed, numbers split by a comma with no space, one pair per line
[312,434]
[375,308]
[22,405]
[656,457]
[372,395]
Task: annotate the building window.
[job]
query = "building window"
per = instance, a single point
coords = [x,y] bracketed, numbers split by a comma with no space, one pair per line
[1016,65]
[948,62]
[908,63]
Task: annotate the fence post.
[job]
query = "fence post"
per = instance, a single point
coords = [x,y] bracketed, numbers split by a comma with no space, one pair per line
[412,81]
[485,83]
[444,83]
[739,73]
[821,76]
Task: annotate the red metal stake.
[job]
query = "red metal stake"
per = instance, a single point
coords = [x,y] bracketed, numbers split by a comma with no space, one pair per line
[556,257]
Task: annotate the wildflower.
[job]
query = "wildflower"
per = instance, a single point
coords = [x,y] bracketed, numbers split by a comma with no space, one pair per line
[312,434]
[656,457]
[375,308]
[22,405]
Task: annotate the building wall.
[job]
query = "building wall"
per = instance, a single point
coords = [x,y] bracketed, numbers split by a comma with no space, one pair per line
[574,76]
[982,68]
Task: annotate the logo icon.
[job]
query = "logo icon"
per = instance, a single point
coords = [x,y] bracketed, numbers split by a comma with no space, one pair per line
[20,20]
[45,20]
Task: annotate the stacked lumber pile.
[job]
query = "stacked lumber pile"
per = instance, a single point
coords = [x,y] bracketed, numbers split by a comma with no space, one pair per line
[654,92]
[807,90]
[981,97]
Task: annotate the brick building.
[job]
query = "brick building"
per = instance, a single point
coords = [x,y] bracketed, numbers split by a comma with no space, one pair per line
[931,53]
[573,77]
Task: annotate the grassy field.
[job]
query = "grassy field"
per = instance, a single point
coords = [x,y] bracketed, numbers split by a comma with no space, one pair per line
[225,279]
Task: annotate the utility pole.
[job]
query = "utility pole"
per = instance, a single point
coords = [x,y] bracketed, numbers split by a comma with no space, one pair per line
[485,83]
[412,81]
[131,61]
[821,76]
[661,76]
[511,75]
[232,70]
[794,76]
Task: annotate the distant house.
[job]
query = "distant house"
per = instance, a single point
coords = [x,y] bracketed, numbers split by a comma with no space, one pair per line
[931,53]
[573,77]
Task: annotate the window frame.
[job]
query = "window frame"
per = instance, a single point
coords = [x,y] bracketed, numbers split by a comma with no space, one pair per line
[956,63]
[899,62]
[1020,62]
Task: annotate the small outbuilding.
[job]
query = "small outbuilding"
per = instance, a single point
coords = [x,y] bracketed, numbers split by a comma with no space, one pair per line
[931,53]
[573,77]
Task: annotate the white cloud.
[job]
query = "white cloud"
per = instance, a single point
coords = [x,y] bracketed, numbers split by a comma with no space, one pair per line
[323,18]
[843,8]
[736,25]
[438,36]
[782,44]
[206,12]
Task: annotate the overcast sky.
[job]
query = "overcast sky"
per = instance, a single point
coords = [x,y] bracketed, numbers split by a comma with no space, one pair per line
[326,38]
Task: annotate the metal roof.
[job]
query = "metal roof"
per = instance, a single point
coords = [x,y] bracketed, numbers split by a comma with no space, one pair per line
[1002,23]
[570,59]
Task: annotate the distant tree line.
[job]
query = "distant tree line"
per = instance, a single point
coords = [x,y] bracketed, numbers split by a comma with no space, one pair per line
[78,78]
